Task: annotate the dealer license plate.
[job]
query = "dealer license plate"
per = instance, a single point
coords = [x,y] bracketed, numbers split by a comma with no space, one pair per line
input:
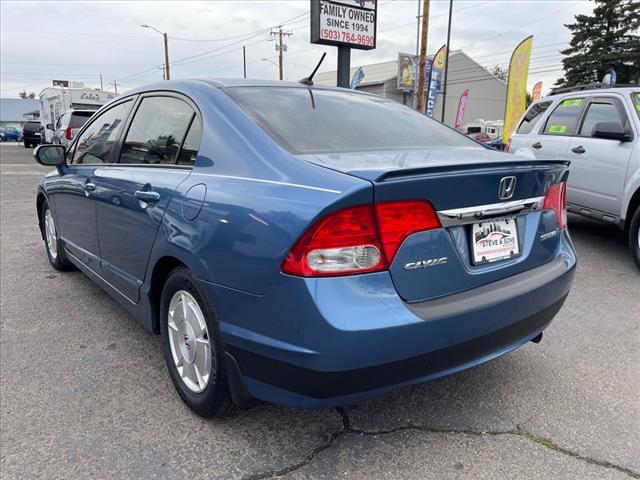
[494,240]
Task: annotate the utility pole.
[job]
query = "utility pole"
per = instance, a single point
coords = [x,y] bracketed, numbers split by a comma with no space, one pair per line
[423,57]
[101,89]
[166,56]
[446,64]
[281,48]
[115,87]
[244,60]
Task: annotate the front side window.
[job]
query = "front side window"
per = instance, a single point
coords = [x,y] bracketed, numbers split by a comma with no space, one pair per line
[599,111]
[532,117]
[157,131]
[563,119]
[305,121]
[97,141]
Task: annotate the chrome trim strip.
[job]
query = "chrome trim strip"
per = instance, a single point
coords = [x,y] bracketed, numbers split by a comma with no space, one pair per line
[273,182]
[466,215]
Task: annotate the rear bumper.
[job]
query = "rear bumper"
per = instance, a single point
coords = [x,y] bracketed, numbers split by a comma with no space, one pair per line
[342,341]
[311,388]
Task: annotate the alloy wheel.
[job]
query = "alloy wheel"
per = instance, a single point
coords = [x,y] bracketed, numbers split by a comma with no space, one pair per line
[190,342]
[50,234]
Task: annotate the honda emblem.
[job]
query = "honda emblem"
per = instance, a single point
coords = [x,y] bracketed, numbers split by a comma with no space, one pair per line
[507,188]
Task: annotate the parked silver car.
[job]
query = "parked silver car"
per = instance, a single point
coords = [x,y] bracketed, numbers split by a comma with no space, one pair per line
[597,128]
[68,124]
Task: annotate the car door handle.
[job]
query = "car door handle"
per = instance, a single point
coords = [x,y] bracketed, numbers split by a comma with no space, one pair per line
[579,149]
[90,187]
[536,145]
[147,196]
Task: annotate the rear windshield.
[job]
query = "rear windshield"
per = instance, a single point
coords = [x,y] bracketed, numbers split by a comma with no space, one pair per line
[78,119]
[322,121]
[32,126]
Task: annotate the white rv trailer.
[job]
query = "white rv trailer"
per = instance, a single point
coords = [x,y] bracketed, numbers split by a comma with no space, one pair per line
[54,101]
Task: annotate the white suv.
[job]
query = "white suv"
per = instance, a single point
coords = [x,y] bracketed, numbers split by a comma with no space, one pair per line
[597,128]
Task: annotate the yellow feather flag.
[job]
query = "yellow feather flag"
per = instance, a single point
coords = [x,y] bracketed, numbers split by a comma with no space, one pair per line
[517,87]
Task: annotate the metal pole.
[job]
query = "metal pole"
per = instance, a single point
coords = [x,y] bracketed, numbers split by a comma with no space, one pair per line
[344,66]
[423,57]
[446,64]
[418,28]
[115,87]
[166,57]
[101,89]
[244,60]
[280,66]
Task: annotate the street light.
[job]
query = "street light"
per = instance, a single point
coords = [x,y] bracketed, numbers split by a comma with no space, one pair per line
[166,50]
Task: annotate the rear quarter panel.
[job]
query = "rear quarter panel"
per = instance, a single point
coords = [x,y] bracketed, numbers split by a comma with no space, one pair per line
[246,202]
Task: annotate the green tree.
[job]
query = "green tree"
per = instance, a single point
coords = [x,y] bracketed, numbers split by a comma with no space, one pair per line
[500,72]
[608,38]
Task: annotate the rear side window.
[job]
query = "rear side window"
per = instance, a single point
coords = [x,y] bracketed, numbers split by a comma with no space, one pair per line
[97,141]
[600,111]
[157,130]
[563,119]
[79,119]
[635,96]
[189,150]
[532,117]
[305,121]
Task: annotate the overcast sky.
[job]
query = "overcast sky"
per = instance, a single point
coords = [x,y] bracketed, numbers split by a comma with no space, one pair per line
[81,40]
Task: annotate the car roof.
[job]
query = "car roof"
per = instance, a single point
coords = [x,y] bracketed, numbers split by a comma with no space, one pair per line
[589,91]
[223,83]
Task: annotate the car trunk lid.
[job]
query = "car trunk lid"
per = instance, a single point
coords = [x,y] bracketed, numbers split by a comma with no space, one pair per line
[463,185]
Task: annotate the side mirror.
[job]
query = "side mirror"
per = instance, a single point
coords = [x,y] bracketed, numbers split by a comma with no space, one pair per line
[50,126]
[50,155]
[610,131]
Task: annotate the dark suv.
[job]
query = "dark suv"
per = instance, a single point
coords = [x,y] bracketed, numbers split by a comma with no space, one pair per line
[31,132]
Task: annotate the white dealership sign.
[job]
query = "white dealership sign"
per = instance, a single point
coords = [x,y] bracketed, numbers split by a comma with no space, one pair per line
[350,23]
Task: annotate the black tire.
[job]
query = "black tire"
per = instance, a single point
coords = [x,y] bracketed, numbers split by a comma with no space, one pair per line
[215,400]
[634,237]
[27,144]
[60,261]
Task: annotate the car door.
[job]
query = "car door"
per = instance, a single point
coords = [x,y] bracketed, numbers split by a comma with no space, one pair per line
[598,165]
[74,191]
[553,141]
[134,194]
[526,134]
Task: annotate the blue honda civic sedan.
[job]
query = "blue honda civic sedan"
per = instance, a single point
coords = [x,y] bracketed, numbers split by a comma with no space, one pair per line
[305,245]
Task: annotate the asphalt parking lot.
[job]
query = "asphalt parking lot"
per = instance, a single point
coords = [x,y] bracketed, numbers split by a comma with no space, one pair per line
[84,390]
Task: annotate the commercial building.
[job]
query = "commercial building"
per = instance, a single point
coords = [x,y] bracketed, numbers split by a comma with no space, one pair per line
[487,93]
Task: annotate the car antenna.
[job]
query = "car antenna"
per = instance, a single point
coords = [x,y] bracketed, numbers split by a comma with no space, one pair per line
[309,80]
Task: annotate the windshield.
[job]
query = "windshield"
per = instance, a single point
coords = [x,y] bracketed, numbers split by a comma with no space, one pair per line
[308,121]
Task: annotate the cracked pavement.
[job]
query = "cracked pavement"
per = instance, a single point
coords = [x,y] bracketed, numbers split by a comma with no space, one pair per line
[84,391]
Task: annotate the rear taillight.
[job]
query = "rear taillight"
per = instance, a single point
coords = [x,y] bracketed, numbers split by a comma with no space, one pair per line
[68,134]
[556,200]
[398,220]
[358,239]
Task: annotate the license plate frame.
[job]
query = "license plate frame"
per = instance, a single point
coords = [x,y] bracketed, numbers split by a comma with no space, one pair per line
[494,240]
